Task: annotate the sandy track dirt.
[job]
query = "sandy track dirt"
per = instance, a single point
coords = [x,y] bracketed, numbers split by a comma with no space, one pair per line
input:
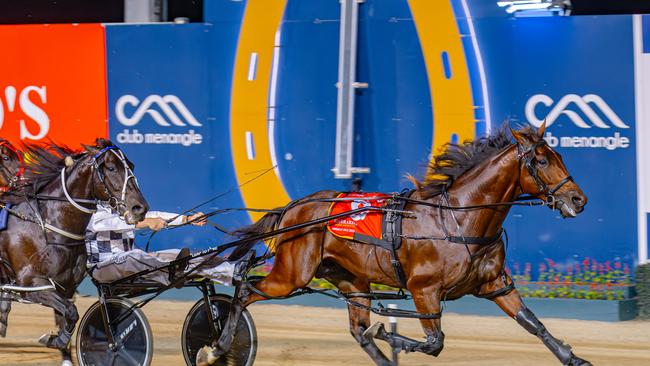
[295,335]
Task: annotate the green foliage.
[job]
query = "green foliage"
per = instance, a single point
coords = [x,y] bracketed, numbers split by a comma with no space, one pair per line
[642,276]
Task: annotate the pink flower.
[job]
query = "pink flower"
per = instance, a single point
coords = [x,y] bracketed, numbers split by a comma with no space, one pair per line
[617,265]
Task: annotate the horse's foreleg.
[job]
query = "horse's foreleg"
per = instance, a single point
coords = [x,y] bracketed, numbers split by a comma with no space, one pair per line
[5,308]
[513,305]
[54,300]
[66,353]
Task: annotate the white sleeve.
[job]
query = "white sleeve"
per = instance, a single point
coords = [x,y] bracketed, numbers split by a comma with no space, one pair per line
[177,219]
[108,221]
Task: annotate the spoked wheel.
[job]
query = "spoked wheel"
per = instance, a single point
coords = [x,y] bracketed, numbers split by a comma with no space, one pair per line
[197,332]
[132,335]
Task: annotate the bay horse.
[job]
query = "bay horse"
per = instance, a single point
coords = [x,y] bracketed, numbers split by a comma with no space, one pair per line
[479,173]
[44,240]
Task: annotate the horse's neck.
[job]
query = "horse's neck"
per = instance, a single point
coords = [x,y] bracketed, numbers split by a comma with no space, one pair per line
[79,186]
[495,180]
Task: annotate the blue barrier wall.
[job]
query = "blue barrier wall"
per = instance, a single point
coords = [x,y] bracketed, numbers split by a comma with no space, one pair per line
[526,61]
[557,57]
[185,69]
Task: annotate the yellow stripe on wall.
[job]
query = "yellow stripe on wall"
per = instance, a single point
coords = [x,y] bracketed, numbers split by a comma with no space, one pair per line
[249,105]
[451,99]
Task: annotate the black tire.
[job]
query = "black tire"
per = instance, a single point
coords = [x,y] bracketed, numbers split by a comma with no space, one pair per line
[134,330]
[197,333]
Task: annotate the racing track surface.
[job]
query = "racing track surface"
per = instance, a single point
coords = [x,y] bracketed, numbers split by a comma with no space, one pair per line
[294,335]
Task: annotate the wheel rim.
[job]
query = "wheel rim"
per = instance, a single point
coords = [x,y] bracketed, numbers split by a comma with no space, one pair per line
[131,335]
[198,333]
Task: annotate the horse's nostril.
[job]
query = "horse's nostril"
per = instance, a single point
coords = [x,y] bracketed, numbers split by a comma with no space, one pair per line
[577,200]
[137,210]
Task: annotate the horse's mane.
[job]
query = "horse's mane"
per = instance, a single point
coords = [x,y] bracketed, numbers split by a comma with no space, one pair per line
[44,161]
[456,159]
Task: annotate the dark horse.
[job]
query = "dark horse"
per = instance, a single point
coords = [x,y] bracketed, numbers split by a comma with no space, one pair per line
[481,172]
[11,169]
[43,246]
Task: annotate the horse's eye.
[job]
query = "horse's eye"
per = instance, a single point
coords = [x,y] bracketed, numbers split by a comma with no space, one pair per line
[542,162]
[110,168]
[5,158]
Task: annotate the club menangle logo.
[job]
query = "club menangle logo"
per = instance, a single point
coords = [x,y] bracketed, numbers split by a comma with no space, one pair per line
[168,105]
[580,103]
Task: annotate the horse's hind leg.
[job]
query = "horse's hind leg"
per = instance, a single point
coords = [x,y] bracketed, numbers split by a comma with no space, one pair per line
[60,304]
[66,353]
[295,265]
[359,317]
[513,305]
[5,308]
[426,302]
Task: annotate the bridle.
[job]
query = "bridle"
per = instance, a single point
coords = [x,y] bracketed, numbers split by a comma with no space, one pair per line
[21,169]
[112,201]
[526,157]
[95,164]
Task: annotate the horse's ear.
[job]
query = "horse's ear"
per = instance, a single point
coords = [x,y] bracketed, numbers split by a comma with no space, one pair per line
[541,129]
[89,148]
[521,139]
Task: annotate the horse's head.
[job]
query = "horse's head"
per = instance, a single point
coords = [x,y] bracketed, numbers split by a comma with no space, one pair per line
[115,182]
[542,173]
[10,164]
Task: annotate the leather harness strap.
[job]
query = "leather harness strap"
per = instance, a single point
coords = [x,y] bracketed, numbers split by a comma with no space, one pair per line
[392,228]
[500,292]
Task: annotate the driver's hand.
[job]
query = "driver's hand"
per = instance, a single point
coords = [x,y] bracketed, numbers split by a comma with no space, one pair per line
[155,223]
[199,217]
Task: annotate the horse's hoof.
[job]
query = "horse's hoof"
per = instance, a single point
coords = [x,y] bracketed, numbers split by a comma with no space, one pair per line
[205,356]
[47,339]
[577,361]
[51,340]
[374,329]
[3,330]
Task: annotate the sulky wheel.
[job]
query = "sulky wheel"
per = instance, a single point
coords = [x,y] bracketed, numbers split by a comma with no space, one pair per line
[197,333]
[134,340]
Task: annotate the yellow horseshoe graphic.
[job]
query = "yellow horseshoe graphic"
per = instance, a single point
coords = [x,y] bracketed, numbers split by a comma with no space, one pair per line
[249,105]
[451,93]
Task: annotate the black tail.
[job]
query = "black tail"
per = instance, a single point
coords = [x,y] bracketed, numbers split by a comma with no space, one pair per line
[267,223]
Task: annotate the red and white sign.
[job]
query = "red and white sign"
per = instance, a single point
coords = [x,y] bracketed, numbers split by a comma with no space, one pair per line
[53,83]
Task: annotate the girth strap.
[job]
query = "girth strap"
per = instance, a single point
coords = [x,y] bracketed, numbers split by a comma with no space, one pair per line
[478,240]
[393,232]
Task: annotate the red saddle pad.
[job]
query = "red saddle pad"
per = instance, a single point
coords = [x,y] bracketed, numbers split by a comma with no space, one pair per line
[367,223]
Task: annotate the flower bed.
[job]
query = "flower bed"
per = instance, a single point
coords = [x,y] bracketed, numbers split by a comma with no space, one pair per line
[589,280]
